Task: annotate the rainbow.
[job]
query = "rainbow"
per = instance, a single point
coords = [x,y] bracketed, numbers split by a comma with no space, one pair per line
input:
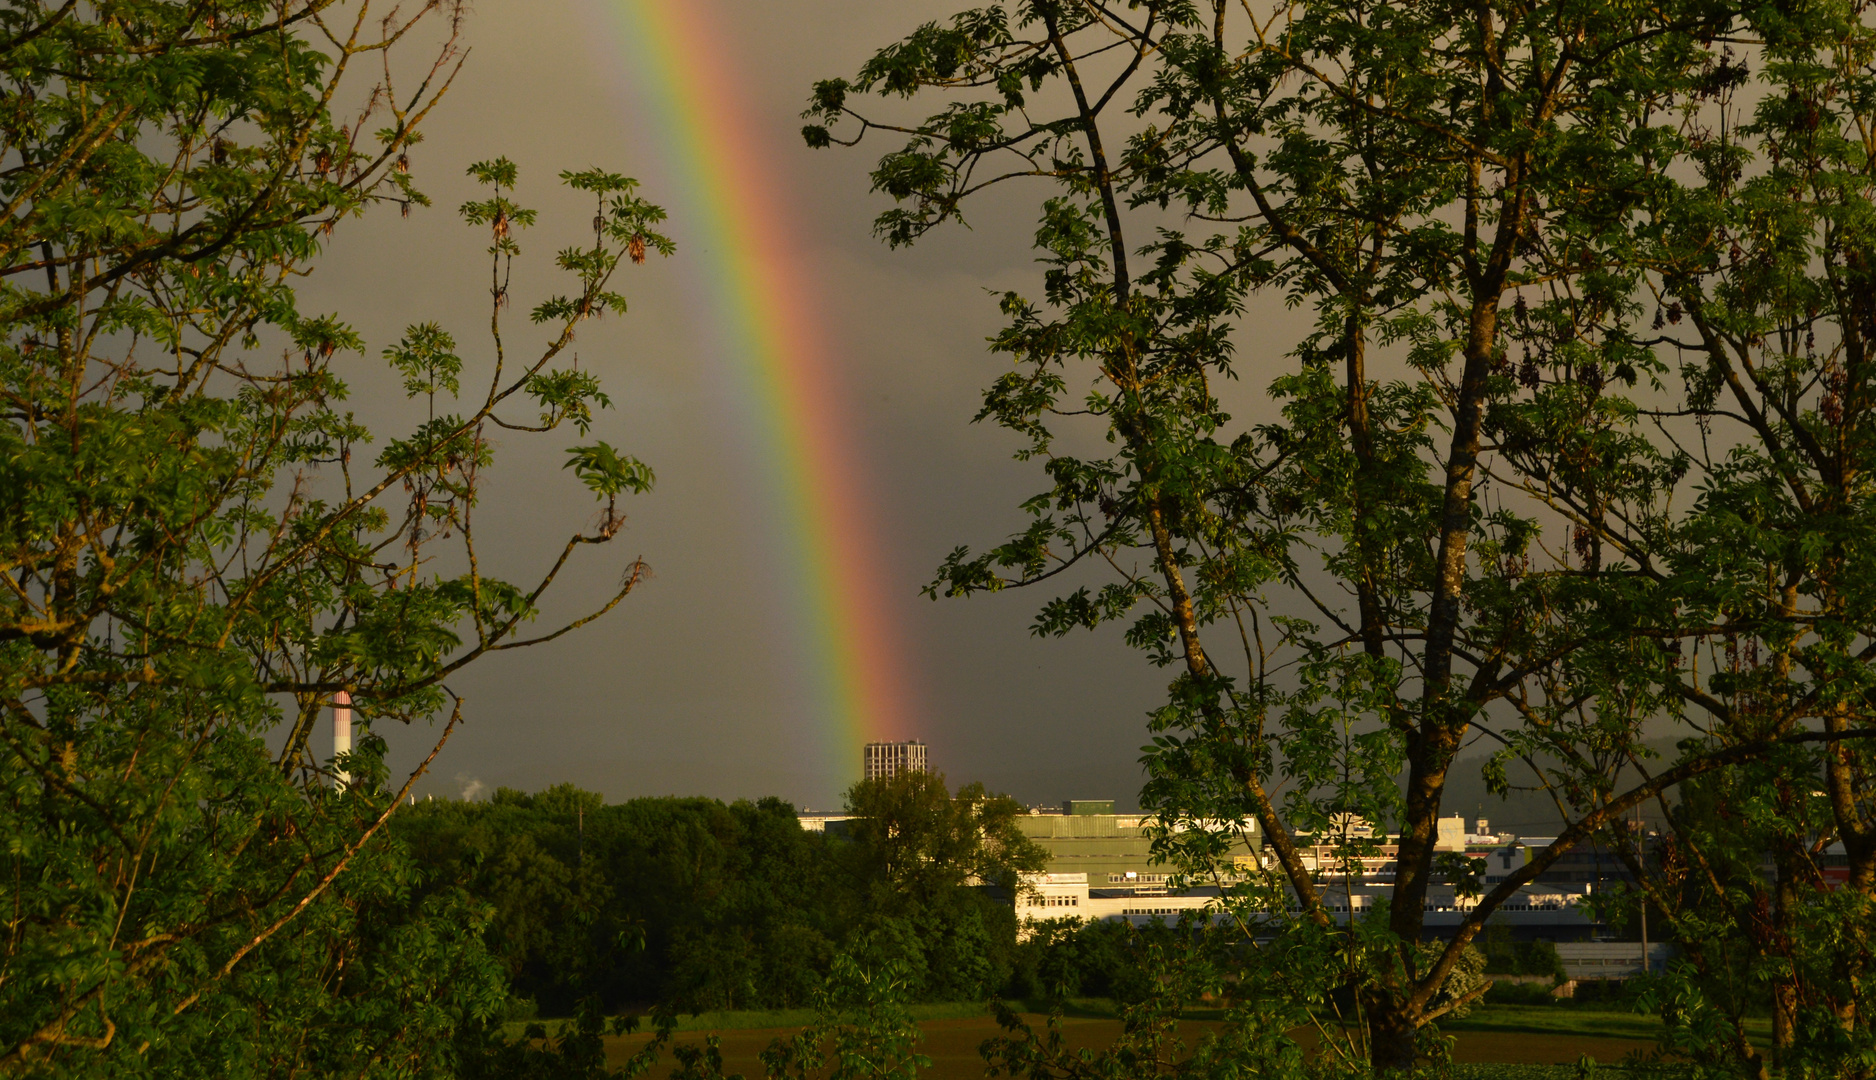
[756,308]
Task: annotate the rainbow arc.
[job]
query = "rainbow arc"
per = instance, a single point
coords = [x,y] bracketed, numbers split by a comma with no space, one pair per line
[757,313]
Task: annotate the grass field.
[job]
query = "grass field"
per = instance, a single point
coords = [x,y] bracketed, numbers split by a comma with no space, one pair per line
[1492,1034]
[792,1019]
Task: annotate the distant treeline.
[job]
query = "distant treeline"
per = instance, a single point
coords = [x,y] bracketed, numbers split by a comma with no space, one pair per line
[699,905]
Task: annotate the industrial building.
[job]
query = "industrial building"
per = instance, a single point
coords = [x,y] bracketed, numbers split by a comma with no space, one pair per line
[1100,867]
[1112,851]
[1545,912]
[1595,960]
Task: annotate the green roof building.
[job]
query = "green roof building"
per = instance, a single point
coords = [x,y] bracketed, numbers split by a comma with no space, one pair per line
[1112,849]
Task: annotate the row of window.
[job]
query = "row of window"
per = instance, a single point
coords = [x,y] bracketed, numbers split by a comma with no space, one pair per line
[1057,901]
[1150,911]
[1145,879]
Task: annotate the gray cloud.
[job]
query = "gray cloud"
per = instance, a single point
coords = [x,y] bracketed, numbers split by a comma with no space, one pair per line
[688,687]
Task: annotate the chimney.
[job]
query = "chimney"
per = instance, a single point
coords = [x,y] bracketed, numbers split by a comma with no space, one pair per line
[341,736]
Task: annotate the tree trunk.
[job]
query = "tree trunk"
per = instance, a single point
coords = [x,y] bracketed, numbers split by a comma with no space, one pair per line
[1392,1032]
[1859,843]
[1785,989]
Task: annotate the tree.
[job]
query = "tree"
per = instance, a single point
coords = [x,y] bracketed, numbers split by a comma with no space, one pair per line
[1466,522]
[935,872]
[1151,1040]
[862,1029]
[915,841]
[687,904]
[1758,272]
[197,558]
[1738,929]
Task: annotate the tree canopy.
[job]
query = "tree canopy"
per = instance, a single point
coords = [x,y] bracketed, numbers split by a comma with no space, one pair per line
[696,905]
[916,840]
[1567,455]
[201,545]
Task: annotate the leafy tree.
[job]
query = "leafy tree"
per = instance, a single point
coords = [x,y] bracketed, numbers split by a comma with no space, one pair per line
[1757,258]
[695,905]
[543,900]
[1473,518]
[197,557]
[1504,955]
[570,1051]
[862,1029]
[740,907]
[1067,958]
[936,870]
[1722,908]
[1155,1040]
[689,904]
[914,841]
[963,956]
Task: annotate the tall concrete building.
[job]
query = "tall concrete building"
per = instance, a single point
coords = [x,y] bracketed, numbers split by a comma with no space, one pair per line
[883,759]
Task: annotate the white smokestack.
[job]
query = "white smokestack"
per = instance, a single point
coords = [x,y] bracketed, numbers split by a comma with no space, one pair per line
[341,735]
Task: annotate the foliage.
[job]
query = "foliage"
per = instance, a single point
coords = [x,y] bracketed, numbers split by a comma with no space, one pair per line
[571,1051]
[1465,982]
[934,870]
[1066,958]
[1505,955]
[915,839]
[1582,1070]
[1758,260]
[1254,1037]
[862,1029]
[1504,992]
[684,901]
[695,905]
[198,557]
[1484,493]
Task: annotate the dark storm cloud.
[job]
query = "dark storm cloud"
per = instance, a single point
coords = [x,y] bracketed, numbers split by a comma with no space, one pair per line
[685,688]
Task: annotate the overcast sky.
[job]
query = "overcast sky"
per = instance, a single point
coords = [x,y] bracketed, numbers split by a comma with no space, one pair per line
[695,685]
[689,687]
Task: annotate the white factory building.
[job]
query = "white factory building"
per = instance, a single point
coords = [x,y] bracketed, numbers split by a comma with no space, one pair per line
[1069,896]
